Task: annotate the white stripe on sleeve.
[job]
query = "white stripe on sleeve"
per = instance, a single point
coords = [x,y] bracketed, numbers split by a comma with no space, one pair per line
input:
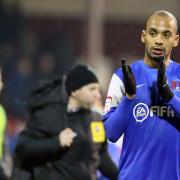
[115,94]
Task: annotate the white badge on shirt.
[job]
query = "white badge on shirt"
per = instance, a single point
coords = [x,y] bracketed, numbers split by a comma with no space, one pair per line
[107,104]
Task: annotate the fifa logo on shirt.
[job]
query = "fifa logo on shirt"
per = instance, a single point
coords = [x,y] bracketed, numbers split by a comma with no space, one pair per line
[161,111]
[140,112]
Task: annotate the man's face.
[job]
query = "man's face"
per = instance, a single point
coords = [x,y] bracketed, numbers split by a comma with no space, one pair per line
[87,95]
[159,37]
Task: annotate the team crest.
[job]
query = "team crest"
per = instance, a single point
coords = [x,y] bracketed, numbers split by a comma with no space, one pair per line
[140,112]
[107,104]
[175,85]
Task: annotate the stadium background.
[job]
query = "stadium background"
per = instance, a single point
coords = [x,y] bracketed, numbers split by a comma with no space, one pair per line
[43,38]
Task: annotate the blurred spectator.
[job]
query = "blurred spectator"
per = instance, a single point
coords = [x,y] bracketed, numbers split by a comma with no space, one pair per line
[46,66]
[64,139]
[18,83]
[5,157]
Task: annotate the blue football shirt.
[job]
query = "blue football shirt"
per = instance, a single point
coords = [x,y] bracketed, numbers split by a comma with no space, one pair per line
[151,127]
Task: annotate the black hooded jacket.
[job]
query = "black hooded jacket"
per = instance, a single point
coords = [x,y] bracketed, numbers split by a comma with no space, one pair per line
[38,149]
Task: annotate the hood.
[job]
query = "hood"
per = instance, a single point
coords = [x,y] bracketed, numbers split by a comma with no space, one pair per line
[46,92]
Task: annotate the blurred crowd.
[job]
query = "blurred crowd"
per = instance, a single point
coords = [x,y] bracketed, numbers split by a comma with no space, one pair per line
[27,55]
[33,50]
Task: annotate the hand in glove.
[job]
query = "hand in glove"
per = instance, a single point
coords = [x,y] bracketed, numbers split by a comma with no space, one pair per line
[163,88]
[128,79]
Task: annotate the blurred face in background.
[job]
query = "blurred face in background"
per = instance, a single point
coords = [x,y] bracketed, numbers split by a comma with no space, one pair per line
[87,95]
[1,82]
[159,37]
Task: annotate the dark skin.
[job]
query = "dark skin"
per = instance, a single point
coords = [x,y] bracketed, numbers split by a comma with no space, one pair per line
[159,38]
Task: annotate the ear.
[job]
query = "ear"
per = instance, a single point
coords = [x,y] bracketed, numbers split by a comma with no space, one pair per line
[143,36]
[73,94]
[176,41]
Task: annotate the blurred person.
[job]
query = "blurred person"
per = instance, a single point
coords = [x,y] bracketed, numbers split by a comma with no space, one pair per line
[64,139]
[143,103]
[2,119]
[47,66]
[19,80]
[114,149]
[5,158]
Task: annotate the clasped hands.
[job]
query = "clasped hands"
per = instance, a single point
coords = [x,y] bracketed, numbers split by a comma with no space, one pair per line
[130,82]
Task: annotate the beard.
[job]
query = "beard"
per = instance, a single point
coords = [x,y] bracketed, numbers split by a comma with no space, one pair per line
[156,57]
